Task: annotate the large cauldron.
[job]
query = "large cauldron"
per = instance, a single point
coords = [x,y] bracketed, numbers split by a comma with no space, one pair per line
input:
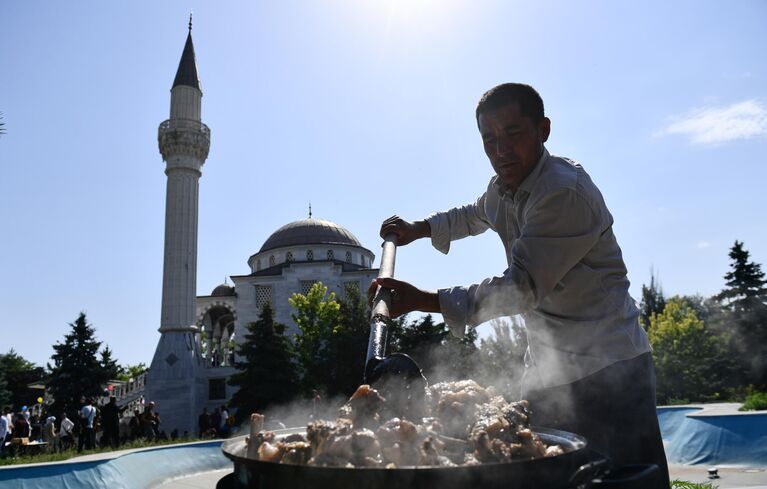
[577,467]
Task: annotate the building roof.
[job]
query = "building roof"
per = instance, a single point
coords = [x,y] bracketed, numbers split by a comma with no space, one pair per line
[309,231]
[277,269]
[187,68]
[222,290]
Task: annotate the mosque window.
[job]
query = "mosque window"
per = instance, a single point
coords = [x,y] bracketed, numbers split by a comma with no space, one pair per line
[271,261]
[306,286]
[348,257]
[309,255]
[331,255]
[289,256]
[351,287]
[216,389]
[263,295]
[258,264]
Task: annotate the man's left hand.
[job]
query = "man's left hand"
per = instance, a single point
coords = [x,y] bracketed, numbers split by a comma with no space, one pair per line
[405,297]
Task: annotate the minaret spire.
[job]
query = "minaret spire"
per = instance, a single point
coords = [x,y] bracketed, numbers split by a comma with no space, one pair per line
[310,210]
[190,21]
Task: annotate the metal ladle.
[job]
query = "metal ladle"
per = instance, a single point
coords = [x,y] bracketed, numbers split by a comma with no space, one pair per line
[399,374]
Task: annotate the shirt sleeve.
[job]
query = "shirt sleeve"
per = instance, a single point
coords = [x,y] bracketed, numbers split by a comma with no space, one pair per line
[457,223]
[559,230]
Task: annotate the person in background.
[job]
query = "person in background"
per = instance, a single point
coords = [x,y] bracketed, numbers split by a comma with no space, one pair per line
[4,430]
[223,427]
[110,422]
[21,428]
[66,433]
[87,437]
[203,422]
[135,425]
[215,420]
[49,433]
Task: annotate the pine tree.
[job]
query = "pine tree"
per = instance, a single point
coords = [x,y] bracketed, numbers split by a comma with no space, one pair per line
[745,282]
[744,301]
[423,340]
[653,301]
[5,394]
[266,374]
[112,369]
[76,373]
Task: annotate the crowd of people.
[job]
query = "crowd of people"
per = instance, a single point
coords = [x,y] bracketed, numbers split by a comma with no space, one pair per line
[93,426]
[218,424]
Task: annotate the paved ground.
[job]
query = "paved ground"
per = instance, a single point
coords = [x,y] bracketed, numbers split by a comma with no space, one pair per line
[729,478]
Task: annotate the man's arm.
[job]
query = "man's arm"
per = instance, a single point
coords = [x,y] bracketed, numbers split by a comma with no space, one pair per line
[457,223]
[559,231]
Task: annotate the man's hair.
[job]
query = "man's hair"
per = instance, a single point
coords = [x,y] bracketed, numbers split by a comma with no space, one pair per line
[529,101]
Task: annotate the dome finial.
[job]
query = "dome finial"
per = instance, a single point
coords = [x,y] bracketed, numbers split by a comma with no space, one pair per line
[190,21]
[310,210]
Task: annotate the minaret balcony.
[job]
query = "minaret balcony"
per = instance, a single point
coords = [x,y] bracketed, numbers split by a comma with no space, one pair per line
[184,136]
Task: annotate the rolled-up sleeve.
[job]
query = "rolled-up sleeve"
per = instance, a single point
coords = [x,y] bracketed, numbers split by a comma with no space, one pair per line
[558,231]
[457,223]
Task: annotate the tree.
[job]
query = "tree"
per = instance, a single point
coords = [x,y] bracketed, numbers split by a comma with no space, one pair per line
[348,345]
[653,301]
[131,371]
[109,365]
[422,339]
[691,362]
[316,316]
[18,374]
[267,374]
[5,394]
[77,372]
[744,302]
[502,357]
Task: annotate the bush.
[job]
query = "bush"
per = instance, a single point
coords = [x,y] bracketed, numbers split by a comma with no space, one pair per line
[755,402]
[680,484]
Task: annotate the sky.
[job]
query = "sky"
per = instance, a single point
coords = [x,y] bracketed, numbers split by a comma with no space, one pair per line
[365,109]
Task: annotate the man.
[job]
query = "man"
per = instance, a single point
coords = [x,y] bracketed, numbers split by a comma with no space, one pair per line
[589,368]
[66,437]
[204,422]
[4,430]
[110,416]
[87,436]
[224,428]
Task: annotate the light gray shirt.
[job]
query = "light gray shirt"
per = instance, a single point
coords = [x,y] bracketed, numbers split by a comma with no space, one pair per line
[565,272]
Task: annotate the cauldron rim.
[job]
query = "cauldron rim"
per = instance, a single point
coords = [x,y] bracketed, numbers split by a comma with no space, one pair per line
[576,444]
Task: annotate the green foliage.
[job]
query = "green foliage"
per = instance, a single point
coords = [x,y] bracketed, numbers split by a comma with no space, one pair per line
[18,374]
[744,307]
[77,372]
[317,317]
[680,484]
[689,359]
[745,281]
[131,371]
[267,374]
[347,346]
[653,301]
[109,365]
[501,360]
[5,394]
[755,402]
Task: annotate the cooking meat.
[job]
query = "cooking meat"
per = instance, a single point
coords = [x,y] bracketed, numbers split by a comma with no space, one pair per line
[466,424]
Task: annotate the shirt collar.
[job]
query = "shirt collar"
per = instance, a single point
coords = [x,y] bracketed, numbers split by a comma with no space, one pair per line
[528,183]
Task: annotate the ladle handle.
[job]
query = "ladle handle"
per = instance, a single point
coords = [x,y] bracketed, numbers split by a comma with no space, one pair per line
[381,302]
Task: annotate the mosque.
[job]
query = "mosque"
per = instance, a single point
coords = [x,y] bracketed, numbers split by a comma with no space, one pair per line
[199,334]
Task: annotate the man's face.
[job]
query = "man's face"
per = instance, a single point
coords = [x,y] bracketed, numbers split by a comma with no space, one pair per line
[513,142]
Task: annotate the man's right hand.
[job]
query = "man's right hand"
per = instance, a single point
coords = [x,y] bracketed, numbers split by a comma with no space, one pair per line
[406,231]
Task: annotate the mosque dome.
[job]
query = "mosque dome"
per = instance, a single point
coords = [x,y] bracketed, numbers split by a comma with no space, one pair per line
[310,232]
[223,290]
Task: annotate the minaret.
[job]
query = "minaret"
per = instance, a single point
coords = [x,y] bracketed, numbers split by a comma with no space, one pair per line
[175,380]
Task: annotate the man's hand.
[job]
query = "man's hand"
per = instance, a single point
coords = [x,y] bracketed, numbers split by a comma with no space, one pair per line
[405,297]
[405,231]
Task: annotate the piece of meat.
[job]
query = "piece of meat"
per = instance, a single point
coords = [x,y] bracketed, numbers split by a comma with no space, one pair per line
[256,424]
